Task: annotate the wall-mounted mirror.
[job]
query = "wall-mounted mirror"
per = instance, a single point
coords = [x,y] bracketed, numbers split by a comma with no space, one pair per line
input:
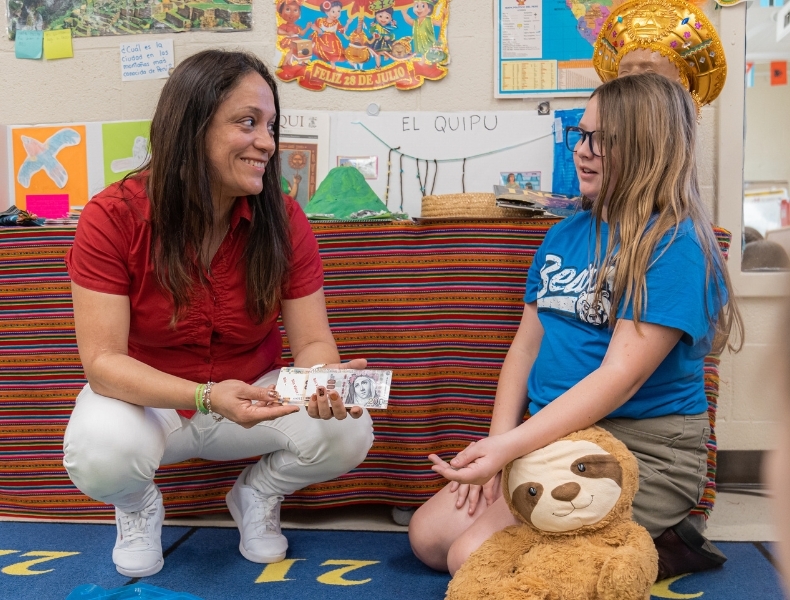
[766,204]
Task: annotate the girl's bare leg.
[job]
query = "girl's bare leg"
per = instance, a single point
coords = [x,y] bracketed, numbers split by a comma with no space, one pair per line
[443,536]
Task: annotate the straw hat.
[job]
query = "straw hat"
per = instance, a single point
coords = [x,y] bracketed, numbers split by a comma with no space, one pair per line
[677,30]
[472,206]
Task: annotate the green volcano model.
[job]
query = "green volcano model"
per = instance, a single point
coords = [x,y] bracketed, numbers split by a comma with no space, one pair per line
[345,195]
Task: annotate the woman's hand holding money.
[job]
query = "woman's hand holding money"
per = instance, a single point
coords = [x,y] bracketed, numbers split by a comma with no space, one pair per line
[329,403]
[325,404]
[246,404]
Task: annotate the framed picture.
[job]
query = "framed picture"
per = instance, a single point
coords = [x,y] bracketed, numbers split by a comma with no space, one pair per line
[308,127]
[526,180]
[367,165]
[298,163]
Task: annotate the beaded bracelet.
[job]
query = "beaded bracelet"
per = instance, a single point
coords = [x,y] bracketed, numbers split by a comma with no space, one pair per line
[207,402]
[199,393]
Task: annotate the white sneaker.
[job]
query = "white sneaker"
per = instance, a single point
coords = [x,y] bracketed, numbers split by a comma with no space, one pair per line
[258,519]
[138,544]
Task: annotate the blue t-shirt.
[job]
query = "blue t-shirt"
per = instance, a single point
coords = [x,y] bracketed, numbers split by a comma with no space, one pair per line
[577,335]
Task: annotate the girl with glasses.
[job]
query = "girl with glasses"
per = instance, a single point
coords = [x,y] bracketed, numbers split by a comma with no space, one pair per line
[623,301]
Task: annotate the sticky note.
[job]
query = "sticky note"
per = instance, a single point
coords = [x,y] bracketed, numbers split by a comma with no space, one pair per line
[48,206]
[151,59]
[57,44]
[28,43]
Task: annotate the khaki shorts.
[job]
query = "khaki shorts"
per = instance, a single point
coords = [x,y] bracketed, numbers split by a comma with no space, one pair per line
[672,456]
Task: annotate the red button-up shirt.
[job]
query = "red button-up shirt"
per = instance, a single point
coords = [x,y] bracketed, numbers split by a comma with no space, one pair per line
[217,339]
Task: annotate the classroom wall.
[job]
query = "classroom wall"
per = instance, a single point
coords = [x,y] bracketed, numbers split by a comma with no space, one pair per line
[751,389]
[88,88]
[751,380]
[767,124]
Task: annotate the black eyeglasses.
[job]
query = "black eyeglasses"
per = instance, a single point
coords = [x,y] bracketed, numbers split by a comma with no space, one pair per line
[576,135]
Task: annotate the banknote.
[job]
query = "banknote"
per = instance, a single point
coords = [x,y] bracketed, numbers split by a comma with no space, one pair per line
[369,387]
[291,385]
[334,379]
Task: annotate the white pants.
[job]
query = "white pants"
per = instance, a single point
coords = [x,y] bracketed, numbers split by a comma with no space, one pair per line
[113,448]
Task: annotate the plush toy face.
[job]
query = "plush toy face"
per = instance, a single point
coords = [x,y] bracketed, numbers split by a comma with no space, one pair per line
[565,486]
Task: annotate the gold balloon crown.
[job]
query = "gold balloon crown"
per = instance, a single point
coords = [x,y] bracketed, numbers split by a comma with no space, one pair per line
[675,29]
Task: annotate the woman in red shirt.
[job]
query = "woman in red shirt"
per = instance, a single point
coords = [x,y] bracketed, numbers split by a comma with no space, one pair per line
[179,273]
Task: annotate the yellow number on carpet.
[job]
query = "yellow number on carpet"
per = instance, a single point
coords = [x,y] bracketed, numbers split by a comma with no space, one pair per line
[335,576]
[22,568]
[277,571]
[661,589]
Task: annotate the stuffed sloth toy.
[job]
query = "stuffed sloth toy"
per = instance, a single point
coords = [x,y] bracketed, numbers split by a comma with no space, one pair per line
[577,540]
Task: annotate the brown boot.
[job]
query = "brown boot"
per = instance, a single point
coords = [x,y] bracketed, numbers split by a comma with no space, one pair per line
[683,549]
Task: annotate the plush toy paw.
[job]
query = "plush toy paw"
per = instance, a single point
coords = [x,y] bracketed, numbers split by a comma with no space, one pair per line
[624,576]
[524,587]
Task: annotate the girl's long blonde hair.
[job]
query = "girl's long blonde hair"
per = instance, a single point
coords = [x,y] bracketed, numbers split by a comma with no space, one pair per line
[649,126]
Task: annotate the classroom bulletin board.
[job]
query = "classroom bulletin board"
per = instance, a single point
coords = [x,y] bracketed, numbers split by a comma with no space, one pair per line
[543,48]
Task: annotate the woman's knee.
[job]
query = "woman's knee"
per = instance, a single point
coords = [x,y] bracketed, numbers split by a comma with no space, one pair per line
[104,449]
[352,445]
[344,443]
[361,439]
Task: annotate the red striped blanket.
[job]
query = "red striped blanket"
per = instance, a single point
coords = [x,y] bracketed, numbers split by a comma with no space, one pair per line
[438,302]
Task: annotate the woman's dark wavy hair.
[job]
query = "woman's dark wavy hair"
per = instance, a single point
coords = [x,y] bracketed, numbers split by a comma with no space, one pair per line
[180,176]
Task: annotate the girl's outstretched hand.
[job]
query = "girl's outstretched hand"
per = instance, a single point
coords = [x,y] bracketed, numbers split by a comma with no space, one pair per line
[477,464]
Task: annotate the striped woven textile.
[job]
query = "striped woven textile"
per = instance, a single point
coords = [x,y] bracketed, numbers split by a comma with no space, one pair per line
[437,302]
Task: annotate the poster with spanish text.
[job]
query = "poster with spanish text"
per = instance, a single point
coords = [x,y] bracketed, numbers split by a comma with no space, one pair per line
[362,44]
[544,48]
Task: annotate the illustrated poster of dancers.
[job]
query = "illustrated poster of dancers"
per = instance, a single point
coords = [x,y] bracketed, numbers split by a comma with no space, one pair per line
[362,44]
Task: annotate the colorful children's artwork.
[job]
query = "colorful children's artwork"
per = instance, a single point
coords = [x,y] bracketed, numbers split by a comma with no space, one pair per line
[49,160]
[80,160]
[125,145]
[298,165]
[121,17]
[362,44]
[525,180]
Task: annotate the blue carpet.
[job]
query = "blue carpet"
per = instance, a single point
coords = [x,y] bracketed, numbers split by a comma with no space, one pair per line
[44,561]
